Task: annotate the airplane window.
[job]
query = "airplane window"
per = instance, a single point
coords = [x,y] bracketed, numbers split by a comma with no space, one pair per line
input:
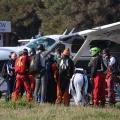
[102,44]
[47,42]
[76,44]
[61,47]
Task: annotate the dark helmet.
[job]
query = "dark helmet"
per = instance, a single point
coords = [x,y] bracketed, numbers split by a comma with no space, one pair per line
[33,50]
[25,51]
[40,47]
[106,51]
[10,54]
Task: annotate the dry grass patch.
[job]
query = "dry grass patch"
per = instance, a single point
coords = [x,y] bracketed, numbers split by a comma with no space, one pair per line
[36,111]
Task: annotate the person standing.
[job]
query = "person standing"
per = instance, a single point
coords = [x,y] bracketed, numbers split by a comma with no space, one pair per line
[97,77]
[66,69]
[22,75]
[10,79]
[57,55]
[51,84]
[111,75]
[41,75]
[32,75]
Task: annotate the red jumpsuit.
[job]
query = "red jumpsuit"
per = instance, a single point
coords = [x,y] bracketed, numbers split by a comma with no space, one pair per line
[98,80]
[99,89]
[111,79]
[22,76]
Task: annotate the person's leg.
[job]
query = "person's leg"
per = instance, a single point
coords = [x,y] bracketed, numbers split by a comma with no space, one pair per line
[59,92]
[32,83]
[110,85]
[96,89]
[116,90]
[65,97]
[102,89]
[43,89]
[37,86]
[17,87]
[8,91]
[27,87]
[12,81]
[74,97]
[83,101]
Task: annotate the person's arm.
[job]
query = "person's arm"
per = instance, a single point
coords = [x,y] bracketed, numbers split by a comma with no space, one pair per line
[49,51]
[112,61]
[9,68]
[93,69]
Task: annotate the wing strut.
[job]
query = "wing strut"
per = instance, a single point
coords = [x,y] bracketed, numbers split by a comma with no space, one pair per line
[81,50]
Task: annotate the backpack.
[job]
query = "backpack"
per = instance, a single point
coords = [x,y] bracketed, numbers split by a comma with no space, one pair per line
[22,65]
[35,64]
[64,67]
[4,70]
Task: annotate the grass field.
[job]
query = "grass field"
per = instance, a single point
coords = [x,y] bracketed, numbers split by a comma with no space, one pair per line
[36,111]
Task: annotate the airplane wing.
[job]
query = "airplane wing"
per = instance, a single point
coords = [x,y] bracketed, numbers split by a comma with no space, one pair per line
[107,32]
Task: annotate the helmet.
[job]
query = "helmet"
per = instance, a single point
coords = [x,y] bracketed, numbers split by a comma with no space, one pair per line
[25,51]
[94,51]
[106,51]
[33,50]
[10,54]
[40,47]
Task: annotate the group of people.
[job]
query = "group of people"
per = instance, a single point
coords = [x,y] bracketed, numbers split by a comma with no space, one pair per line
[53,78]
[103,73]
[42,75]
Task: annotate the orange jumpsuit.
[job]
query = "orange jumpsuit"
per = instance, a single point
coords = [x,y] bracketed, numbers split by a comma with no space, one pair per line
[63,85]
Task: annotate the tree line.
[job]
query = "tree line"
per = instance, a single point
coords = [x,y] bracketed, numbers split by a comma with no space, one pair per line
[28,17]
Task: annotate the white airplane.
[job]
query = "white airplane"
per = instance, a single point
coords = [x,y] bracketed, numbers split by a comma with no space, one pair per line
[79,43]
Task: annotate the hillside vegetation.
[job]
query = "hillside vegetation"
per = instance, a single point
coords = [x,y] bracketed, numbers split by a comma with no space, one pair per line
[28,17]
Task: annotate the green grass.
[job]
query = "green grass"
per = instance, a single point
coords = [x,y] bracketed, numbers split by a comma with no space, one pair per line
[35,111]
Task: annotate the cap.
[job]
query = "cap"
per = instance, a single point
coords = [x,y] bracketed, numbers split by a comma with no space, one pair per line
[66,52]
